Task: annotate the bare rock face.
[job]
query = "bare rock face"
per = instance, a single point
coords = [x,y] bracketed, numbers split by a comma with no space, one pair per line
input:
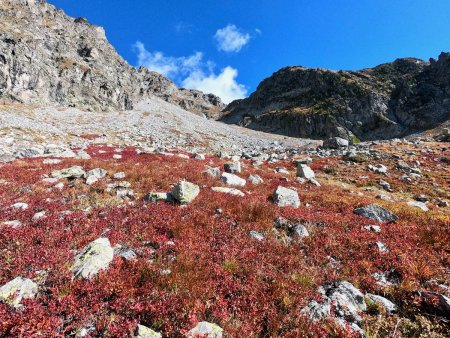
[47,57]
[388,101]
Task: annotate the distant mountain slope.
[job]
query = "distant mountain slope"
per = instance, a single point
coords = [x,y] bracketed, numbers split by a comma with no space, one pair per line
[391,100]
[49,57]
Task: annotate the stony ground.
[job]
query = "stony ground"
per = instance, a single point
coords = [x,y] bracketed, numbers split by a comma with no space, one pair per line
[136,238]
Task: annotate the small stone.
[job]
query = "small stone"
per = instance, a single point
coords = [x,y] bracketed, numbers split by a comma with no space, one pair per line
[420,205]
[51,161]
[213,172]
[185,192]
[119,176]
[374,228]
[159,197]
[199,157]
[145,332]
[381,247]
[13,292]
[284,197]
[37,216]
[230,191]
[255,179]
[124,252]
[117,156]
[232,167]
[83,155]
[256,235]
[207,330]
[20,205]
[385,303]
[13,224]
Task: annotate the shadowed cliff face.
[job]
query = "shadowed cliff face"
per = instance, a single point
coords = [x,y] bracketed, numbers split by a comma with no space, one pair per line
[391,100]
[49,57]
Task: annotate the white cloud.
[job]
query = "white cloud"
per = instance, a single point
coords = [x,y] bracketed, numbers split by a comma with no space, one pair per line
[167,65]
[224,85]
[192,72]
[230,39]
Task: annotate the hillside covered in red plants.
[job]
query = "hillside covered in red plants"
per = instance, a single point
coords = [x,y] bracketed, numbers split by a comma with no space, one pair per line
[236,261]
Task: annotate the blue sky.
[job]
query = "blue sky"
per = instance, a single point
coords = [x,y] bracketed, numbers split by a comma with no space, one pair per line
[228,46]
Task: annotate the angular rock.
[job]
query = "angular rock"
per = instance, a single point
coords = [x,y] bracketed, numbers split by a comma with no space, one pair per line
[420,205]
[207,330]
[305,171]
[335,143]
[124,252]
[185,192]
[385,303]
[230,191]
[213,172]
[376,213]
[284,197]
[20,205]
[13,292]
[159,197]
[255,179]
[119,176]
[256,235]
[318,311]
[232,167]
[231,179]
[347,300]
[145,332]
[72,172]
[96,256]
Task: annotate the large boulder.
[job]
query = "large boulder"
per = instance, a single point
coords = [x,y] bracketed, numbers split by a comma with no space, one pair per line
[335,143]
[376,213]
[305,171]
[284,197]
[185,192]
[96,256]
[231,179]
[13,292]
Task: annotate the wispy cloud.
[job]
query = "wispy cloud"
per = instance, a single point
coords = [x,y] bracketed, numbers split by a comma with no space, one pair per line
[184,27]
[231,39]
[192,72]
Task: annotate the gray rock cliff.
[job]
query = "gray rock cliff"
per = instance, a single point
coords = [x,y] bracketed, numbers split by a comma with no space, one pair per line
[49,57]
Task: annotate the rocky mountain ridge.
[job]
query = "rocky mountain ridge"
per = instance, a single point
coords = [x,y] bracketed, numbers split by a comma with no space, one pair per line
[388,101]
[47,57]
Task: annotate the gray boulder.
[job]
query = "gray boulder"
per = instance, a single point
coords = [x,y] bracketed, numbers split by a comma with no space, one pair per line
[284,197]
[72,172]
[335,143]
[305,171]
[385,303]
[96,256]
[231,179]
[185,192]
[145,332]
[13,292]
[376,213]
[233,167]
[207,330]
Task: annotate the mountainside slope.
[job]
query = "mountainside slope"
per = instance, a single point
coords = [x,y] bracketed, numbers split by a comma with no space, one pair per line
[391,100]
[49,57]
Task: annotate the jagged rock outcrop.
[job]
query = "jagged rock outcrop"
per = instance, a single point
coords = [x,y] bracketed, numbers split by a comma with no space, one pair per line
[47,57]
[391,100]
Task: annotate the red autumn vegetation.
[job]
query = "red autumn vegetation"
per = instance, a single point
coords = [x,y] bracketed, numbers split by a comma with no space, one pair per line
[196,263]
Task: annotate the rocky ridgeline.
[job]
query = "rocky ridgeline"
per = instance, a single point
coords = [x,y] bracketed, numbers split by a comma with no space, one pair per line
[47,57]
[391,100]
